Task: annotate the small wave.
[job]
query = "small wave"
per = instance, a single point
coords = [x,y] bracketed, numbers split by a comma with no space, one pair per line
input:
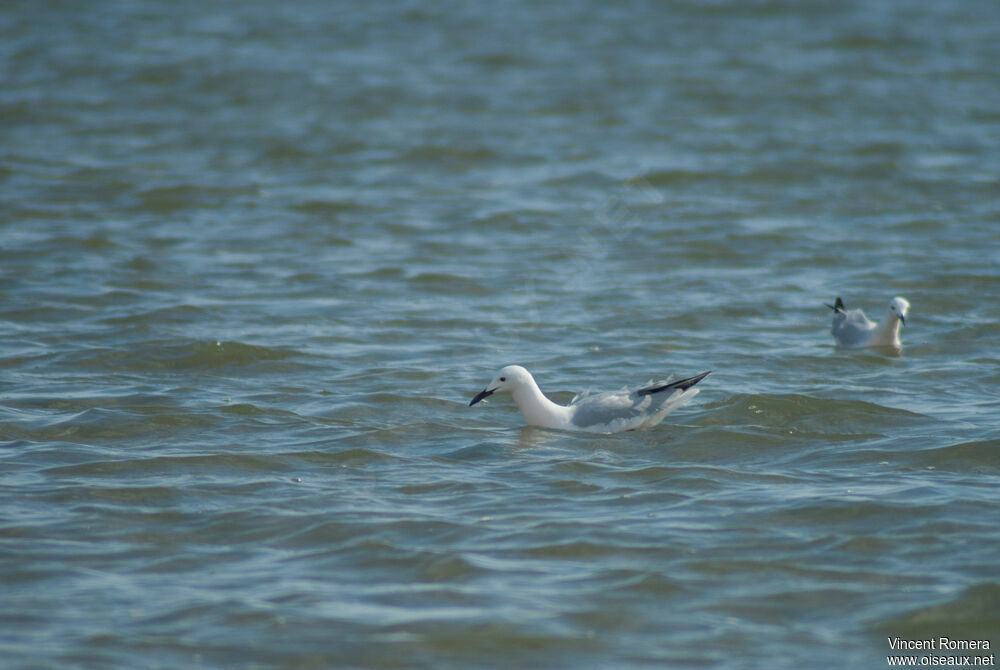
[105,424]
[810,416]
[448,284]
[973,615]
[982,457]
[350,456]
[448,154]
[168,199]
[570,550]
[171,355]
[584,178]
[524,220]
[222,354]
[95,242]
[497,60]
[327,208]
[229,463]
[174,314]
[652,583]
[677,177]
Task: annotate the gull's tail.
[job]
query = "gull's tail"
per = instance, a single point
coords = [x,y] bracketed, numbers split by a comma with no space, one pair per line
[837,306]
[680,394]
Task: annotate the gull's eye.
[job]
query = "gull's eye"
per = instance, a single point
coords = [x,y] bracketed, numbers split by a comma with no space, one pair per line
[503,379]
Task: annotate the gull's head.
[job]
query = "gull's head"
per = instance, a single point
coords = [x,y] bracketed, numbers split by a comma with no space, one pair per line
[898,307]
[508,379]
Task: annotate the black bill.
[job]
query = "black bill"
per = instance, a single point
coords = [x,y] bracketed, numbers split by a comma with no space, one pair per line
[485,393]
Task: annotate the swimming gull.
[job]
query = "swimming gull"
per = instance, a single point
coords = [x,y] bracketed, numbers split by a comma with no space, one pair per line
[607,412]
[853,330]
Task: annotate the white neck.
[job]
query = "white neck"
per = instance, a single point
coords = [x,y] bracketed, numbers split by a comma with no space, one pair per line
[539,410]
[887,332]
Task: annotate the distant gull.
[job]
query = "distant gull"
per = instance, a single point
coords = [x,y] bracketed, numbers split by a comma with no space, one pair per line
[853,330]
[607,412]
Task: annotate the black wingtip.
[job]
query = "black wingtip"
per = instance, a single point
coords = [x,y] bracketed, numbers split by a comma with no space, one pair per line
[682,384]
[837,306]
[685,384]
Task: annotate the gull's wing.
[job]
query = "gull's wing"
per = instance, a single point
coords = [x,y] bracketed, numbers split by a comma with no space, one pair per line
[592,410]
[627,409]
[851,327]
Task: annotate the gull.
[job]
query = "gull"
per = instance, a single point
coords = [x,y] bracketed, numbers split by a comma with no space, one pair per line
[607,412]
[853,330]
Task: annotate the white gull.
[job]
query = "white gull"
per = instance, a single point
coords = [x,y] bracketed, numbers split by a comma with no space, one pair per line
[607,412]
[853,330]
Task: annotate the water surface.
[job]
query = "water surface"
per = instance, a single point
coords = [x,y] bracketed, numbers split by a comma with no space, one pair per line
[255,259]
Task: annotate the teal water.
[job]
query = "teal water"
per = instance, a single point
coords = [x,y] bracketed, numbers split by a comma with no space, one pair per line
[256,258]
